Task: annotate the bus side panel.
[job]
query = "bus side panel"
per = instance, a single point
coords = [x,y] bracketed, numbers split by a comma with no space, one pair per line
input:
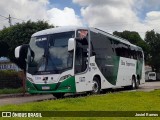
[105,57]
[84,81]
[127,68]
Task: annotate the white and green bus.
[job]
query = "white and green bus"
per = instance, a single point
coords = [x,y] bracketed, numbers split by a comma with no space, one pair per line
[80,59]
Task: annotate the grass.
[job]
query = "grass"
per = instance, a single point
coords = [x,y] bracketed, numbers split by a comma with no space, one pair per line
[122,101]
[10,91]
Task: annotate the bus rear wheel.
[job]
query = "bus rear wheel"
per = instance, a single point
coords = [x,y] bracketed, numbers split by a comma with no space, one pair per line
[137,83]
[96,86]
[58,95]
[133,86]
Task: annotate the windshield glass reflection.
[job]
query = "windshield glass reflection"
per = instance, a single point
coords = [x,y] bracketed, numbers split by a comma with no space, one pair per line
[50,53]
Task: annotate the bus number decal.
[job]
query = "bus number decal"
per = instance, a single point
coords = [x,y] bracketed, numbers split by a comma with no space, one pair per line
[81,79]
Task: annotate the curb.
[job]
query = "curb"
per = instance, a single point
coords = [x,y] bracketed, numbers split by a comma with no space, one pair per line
[18,95]
[14,95]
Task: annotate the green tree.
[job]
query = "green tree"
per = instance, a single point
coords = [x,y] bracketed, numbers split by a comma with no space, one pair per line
[19,34]
[153,40]
[134,38]
[4,48]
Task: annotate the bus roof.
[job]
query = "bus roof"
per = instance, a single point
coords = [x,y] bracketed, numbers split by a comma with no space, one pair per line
[73,28]
[57,30]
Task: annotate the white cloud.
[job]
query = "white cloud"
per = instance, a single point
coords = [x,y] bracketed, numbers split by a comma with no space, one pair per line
[110,15]
[103,2]
[153,15]
[36,10]
[119,15]
[64,17]
[153,20]
[23,9]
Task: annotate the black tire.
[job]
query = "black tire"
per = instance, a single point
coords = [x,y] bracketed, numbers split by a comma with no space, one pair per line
[58,95]
[96,86]
[137,83]
[133,86]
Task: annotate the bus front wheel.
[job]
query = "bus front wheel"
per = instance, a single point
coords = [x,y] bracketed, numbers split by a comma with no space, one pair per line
[96,86]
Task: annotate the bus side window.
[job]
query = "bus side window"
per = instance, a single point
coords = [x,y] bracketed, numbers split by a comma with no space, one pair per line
[117,48]
[139,55]
[81,58]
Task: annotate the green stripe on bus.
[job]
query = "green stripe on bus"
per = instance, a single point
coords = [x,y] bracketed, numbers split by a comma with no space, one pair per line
[65,86]
[139,68]
[112,75]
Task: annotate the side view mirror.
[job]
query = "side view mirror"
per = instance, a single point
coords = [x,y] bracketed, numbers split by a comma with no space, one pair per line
[71,44]
[21,55]
[17,52]
[21,51]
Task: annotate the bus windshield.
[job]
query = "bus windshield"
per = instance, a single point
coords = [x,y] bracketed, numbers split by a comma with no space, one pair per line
[49,53]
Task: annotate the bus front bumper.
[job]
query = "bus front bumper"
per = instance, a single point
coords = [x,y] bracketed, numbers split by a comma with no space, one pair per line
[67,86]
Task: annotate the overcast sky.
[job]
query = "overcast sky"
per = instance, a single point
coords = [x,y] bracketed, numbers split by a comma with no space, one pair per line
[110,15]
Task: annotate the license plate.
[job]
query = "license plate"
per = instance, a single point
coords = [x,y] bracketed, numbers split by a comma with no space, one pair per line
[45,87]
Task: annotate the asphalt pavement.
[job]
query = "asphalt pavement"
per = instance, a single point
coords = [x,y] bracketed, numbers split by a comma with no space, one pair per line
[25,98]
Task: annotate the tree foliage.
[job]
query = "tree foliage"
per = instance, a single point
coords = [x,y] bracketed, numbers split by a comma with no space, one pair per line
[153,40]
[134,38]
[131,36]
[19,34]
[4,48]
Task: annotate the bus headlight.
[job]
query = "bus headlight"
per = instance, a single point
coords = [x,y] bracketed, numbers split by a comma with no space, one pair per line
[64,78]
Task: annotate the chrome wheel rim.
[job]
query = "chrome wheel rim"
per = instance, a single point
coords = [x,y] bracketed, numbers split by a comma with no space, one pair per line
[95,87]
